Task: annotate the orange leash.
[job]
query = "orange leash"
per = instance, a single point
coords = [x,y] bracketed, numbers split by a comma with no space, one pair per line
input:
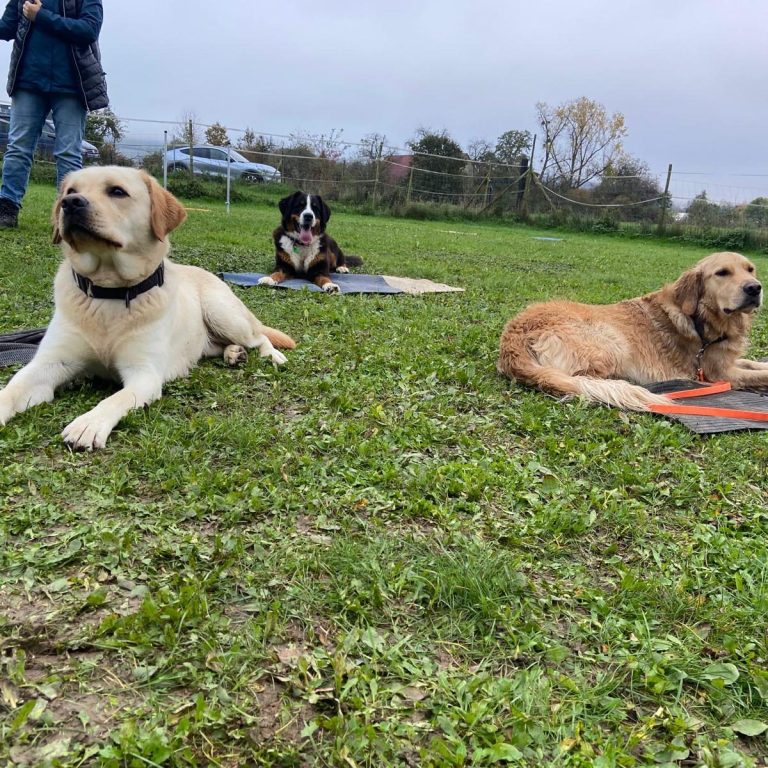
[713,389]
[704,410]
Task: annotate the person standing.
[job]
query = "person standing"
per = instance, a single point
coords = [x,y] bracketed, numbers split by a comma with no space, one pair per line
[55,67]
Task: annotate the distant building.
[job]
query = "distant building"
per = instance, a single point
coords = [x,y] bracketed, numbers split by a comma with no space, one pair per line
[398,168]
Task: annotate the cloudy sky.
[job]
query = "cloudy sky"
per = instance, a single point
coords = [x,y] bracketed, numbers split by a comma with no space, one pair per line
[690,76]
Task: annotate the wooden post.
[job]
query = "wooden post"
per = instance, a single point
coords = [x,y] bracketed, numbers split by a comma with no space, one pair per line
[376,171]
[410,182]
[664,202]
[526,188]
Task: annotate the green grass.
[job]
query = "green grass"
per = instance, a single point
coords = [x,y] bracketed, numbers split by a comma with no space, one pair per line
[381,554]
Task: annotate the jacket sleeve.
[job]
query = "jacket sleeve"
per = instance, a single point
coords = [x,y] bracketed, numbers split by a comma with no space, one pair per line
[10,21]
[83,30]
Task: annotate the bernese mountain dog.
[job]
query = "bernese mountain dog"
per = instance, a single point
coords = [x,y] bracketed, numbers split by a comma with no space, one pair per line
[302,248]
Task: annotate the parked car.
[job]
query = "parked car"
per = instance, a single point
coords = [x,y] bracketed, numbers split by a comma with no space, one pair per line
[211,160]
[47,138]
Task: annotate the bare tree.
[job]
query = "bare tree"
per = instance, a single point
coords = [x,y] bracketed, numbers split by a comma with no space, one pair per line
[371,147]
[480,151]
[183,135]
[580,141]
[329,147]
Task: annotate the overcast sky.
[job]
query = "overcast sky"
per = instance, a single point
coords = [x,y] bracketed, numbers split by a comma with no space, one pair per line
[690,76]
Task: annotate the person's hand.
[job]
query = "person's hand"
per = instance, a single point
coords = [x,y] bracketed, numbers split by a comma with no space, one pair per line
[31,8]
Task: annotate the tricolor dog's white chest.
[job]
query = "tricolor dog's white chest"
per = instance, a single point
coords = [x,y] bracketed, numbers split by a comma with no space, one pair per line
[301,256]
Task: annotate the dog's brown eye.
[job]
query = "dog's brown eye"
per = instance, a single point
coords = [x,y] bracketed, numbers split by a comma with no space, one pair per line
[750,269]
[117,192]
[723,272]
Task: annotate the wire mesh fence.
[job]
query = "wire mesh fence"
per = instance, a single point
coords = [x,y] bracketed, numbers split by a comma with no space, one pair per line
[727,209]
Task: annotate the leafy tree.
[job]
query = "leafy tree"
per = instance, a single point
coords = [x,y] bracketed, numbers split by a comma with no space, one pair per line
[627,182]
[580,141]
[104,129]
[216,134]
[250,142]
[103,126]
[434,162]
[757,212]
[511,144]
[260,149]
[702,212]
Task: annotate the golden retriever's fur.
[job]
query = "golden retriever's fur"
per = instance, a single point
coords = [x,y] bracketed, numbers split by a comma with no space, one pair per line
[113,224]
[606,353]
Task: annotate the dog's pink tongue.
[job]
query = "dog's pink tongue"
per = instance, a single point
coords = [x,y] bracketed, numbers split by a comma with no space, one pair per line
[305,236]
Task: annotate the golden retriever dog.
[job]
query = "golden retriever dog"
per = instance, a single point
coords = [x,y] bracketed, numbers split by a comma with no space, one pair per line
[123,309]
[693,328]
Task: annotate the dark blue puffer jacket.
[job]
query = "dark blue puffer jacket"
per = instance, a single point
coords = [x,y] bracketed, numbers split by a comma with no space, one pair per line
[58,52]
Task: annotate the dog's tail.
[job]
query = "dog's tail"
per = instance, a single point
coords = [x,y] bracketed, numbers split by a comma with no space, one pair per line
[278,338]
[616,392]
[353,261]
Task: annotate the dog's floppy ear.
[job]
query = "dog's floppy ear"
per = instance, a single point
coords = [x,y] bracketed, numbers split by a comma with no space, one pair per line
[688,290]
[325,211]
[57,210]
[166,211]
[287,203]
[55,220]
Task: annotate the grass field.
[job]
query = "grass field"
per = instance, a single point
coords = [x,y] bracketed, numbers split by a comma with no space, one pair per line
[381,554]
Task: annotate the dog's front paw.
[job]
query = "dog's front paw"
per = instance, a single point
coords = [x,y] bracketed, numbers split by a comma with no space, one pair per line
[7,409]
[342,270]
[86,433]
[234,354]
[331,288]
[267,280]
[276,356]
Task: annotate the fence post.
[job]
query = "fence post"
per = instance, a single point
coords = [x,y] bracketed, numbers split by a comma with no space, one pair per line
[377,162]
[165,159]
[229,172]
[526,188]
[665,203]
[410,182]
[191,156]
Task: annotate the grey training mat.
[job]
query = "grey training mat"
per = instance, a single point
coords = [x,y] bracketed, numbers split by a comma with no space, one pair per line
[745,400]
[350,283]
[19,347]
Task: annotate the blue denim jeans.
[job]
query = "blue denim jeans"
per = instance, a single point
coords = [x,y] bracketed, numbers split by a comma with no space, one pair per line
[28,112]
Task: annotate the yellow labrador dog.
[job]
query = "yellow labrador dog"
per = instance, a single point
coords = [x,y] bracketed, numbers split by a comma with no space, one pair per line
[123,309]
[695,327]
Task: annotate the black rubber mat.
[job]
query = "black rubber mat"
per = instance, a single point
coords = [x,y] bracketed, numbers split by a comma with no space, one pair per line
[19,347]
[745,400]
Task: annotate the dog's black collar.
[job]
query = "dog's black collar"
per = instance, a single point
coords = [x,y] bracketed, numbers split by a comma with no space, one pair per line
[698,325]
[86,285]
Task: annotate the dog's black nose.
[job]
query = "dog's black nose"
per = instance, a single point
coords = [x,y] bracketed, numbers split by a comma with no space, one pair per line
[74,202]
[306,218]
[753,288]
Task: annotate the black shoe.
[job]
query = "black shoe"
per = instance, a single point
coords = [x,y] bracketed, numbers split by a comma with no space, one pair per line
[9,214]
